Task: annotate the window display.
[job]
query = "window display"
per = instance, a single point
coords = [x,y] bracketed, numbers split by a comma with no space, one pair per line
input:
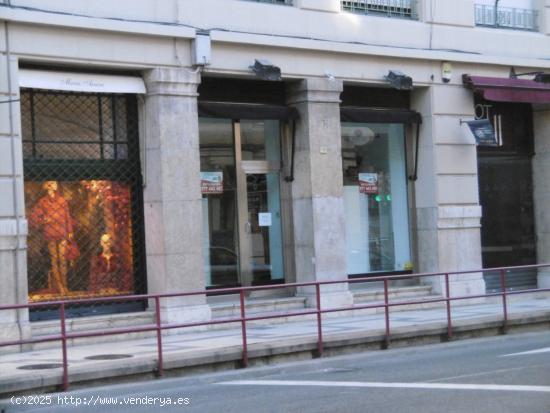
[82,195]
[80,238]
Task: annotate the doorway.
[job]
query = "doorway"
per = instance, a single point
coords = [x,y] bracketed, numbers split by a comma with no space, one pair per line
[242,219]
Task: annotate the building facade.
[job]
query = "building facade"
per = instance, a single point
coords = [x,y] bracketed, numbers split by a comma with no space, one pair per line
[151,147]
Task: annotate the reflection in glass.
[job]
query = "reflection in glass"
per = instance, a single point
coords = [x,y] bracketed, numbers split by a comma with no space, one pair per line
[264,218]
[219,202]
[260,140]
[375,197]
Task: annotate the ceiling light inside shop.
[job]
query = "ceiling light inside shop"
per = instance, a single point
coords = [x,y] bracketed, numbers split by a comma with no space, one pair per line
[357,136]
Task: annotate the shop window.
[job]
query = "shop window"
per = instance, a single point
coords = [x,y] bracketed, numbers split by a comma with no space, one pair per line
[83,196]
[375,198]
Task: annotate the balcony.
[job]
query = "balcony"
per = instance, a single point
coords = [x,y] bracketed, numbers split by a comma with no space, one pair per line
[406,9]
[506,17]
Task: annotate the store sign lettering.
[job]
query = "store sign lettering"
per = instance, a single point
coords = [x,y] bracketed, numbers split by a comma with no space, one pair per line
[81,83]
[482,111]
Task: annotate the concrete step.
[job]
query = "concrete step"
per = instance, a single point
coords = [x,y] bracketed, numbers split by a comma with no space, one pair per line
[366,295]
[227,307]
[256,306]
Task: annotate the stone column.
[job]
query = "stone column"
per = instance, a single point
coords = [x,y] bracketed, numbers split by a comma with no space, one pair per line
[13,226]
[447,201]
[544,16]
[317,191]
[172,196]
[541,190]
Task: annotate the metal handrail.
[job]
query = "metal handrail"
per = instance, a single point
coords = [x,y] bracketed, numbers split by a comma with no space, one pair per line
[159,327]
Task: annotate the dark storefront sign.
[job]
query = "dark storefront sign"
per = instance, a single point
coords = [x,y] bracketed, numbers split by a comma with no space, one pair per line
[83,197]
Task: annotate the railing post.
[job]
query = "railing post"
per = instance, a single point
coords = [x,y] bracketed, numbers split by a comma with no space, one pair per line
[65,385]
[448,295]
[160,369]
[504,306]
[319,322]
[387,314]
[243,328]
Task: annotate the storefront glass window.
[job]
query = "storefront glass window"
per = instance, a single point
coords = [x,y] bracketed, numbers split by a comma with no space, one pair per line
[375,198]
[82,195]
[219,200]
[260,140]
[242,231]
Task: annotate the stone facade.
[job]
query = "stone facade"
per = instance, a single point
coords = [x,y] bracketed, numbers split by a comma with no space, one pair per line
[319,48]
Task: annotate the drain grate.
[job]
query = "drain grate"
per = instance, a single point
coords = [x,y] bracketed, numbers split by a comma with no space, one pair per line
[109,357]
[43,366]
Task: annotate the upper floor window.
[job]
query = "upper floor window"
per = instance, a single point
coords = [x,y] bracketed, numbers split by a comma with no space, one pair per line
[390,8]
[510,14]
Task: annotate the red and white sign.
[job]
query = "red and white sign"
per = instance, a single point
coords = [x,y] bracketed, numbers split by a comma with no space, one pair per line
[212,182]
[368,183]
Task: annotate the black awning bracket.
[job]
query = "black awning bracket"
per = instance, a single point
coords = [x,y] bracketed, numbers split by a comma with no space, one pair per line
[250,111]
[414,176]
[290,177]
[379,115]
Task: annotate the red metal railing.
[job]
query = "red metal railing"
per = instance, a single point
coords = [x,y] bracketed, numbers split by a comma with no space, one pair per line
[158,327]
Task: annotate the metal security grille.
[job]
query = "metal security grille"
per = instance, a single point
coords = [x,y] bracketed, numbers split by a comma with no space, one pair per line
[83,195]
[390,8]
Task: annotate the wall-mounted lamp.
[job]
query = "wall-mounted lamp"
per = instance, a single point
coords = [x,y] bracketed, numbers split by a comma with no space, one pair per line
[265,70]
[399,80]
[446,72]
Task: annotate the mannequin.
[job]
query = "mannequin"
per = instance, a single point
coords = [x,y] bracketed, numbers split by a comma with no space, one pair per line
[107,269]
[51,214]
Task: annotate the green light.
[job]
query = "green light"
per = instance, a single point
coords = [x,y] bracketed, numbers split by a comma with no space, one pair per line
[377,198]
[388,197]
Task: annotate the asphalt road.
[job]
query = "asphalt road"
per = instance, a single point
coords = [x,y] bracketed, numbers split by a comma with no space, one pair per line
[500,375]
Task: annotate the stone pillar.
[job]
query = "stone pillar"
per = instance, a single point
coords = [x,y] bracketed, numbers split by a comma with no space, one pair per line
[172,195]
[544,16]
[317,191]
[541,190]
[13,226]
[446,193]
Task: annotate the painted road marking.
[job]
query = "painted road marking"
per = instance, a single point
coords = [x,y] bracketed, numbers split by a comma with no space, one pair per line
[524,353]
[430,386]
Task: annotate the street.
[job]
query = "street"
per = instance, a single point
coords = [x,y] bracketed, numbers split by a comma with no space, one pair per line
[498,374]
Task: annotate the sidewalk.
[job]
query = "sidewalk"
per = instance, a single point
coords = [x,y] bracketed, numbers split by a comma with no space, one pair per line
[211,350]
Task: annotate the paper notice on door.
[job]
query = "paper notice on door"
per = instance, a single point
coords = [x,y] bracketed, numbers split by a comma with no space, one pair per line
[264,219]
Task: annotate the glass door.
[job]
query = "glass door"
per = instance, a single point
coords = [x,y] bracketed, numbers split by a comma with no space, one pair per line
[262,246]
[242,228]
